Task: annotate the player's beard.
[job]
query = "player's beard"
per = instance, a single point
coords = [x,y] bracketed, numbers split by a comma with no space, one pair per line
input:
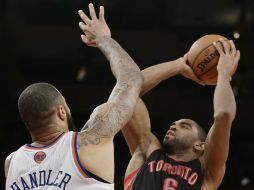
[71,125]
[175,146]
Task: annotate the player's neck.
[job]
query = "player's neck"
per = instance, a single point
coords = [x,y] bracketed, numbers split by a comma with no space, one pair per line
[183,156]
[46,136]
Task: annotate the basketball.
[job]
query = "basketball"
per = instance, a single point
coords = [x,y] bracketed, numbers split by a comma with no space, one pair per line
[203,58]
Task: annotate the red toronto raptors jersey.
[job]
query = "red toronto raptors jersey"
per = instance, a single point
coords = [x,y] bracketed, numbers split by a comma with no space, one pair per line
[160,172]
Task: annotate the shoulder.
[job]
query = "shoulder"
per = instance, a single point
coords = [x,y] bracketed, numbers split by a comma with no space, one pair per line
[156,153]
[7,163]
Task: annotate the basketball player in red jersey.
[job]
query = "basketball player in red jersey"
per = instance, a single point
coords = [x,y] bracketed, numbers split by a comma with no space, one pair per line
[187,159]
[57,158]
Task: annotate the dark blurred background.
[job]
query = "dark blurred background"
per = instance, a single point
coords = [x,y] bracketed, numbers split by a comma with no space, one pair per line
[40,41]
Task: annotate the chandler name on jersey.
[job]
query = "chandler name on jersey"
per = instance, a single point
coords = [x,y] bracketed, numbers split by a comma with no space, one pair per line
[53,167]
[163,173]
[42,179]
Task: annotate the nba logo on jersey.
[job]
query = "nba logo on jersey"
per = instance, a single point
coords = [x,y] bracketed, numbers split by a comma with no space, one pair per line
[39,157]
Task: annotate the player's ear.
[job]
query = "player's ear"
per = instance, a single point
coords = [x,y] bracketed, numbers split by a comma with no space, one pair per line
[61,112]
[199,146]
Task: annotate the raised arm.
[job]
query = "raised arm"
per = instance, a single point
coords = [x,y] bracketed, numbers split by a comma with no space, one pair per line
[155,74]
[217,143]
[107,119]
[137,130]
[95,141]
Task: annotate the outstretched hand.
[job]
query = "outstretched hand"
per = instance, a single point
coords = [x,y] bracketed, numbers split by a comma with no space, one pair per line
[187,72]
[229,57]
[93,28]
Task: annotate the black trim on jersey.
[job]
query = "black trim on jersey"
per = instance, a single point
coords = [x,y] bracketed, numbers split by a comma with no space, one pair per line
[89,174]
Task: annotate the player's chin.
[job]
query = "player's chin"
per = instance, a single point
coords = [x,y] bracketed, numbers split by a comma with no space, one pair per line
[167,139]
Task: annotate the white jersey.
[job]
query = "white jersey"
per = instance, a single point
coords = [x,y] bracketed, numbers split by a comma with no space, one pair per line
[52,167]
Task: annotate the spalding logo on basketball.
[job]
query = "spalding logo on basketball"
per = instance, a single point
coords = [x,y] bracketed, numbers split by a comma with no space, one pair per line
[204,65]
[203,58]
[39,157]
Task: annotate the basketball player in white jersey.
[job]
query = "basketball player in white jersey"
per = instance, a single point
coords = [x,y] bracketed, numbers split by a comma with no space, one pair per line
[57,158]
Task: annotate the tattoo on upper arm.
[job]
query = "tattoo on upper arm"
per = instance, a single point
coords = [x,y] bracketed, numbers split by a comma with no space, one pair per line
[85,139]
[105,122]
[109,120]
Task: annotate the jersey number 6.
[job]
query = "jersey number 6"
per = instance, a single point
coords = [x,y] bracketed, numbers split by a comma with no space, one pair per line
[170,184]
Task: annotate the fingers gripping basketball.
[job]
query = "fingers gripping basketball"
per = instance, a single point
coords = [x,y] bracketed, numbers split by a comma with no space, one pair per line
[203,58]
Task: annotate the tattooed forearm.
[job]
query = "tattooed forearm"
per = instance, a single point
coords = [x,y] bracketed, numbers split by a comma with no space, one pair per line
[107,120]
[121,63]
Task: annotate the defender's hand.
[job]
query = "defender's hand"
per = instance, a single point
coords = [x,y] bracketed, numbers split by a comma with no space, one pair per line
[93,28]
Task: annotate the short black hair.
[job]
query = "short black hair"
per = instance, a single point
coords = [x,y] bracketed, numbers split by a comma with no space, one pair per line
[201,132]
[35,103]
